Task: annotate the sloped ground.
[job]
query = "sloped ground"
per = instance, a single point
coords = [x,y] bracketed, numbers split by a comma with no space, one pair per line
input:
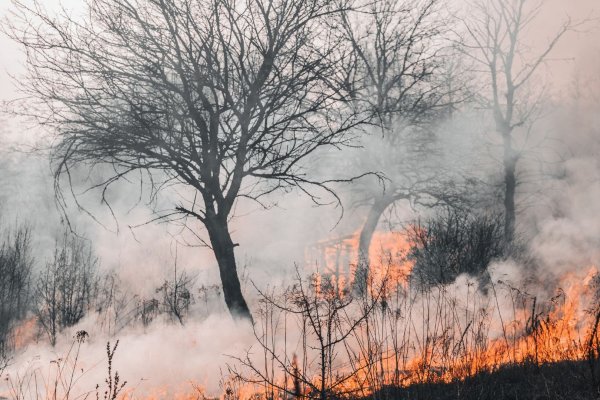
[565,380]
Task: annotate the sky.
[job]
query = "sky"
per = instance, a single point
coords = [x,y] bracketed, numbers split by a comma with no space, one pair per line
[576,45]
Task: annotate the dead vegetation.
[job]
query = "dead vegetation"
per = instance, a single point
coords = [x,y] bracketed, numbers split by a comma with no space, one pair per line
[227,102]
[407,340]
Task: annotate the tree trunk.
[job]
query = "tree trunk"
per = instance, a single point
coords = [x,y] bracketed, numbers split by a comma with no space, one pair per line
[364,242]
[223,246]
[510,184]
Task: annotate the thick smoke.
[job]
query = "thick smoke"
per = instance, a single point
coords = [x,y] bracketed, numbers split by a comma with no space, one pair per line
[560,219]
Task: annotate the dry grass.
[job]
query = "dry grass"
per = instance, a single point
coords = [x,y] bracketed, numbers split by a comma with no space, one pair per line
[400,339]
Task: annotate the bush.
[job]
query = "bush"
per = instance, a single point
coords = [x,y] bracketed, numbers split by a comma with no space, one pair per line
[454,242]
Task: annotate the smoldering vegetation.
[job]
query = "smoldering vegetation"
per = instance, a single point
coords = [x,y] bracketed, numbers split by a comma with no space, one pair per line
[301,200]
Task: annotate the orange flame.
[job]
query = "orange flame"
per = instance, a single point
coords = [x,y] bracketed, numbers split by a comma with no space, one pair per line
[337,258]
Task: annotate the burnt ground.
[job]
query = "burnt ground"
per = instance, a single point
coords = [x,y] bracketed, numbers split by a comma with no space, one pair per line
[565,380]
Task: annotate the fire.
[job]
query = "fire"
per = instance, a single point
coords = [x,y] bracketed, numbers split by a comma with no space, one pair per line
[25,332]
[563,329]
[416,334]
[449,333]
[337,258]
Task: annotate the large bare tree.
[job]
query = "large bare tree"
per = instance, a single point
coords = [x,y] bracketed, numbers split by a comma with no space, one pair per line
[496,40]
[224,97]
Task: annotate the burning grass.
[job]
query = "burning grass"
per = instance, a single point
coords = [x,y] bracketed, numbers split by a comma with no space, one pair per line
[526,381]
[474,338]
[400,336]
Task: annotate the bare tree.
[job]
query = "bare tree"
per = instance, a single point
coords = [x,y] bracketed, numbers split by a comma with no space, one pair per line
[16,263]
[225,98]
[67,287]
[325,317]
[177,295]
[397,73]
[116,305]
[496,42]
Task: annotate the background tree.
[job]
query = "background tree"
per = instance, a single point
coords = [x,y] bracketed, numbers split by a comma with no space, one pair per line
[67,288]
[116,304]
[225,98]
[496,42]
[177,295]
[398,72]
[16,263]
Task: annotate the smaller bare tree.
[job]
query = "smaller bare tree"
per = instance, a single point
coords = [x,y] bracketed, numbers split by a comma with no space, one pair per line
[496,42]
[116,305]
[326,316]
[177,295]
[16,263]
[67,287]
[400,71]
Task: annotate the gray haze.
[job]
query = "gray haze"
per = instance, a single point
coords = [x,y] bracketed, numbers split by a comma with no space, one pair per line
[560,211]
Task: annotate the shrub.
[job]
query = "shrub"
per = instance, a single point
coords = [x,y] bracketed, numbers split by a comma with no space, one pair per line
[454,242]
